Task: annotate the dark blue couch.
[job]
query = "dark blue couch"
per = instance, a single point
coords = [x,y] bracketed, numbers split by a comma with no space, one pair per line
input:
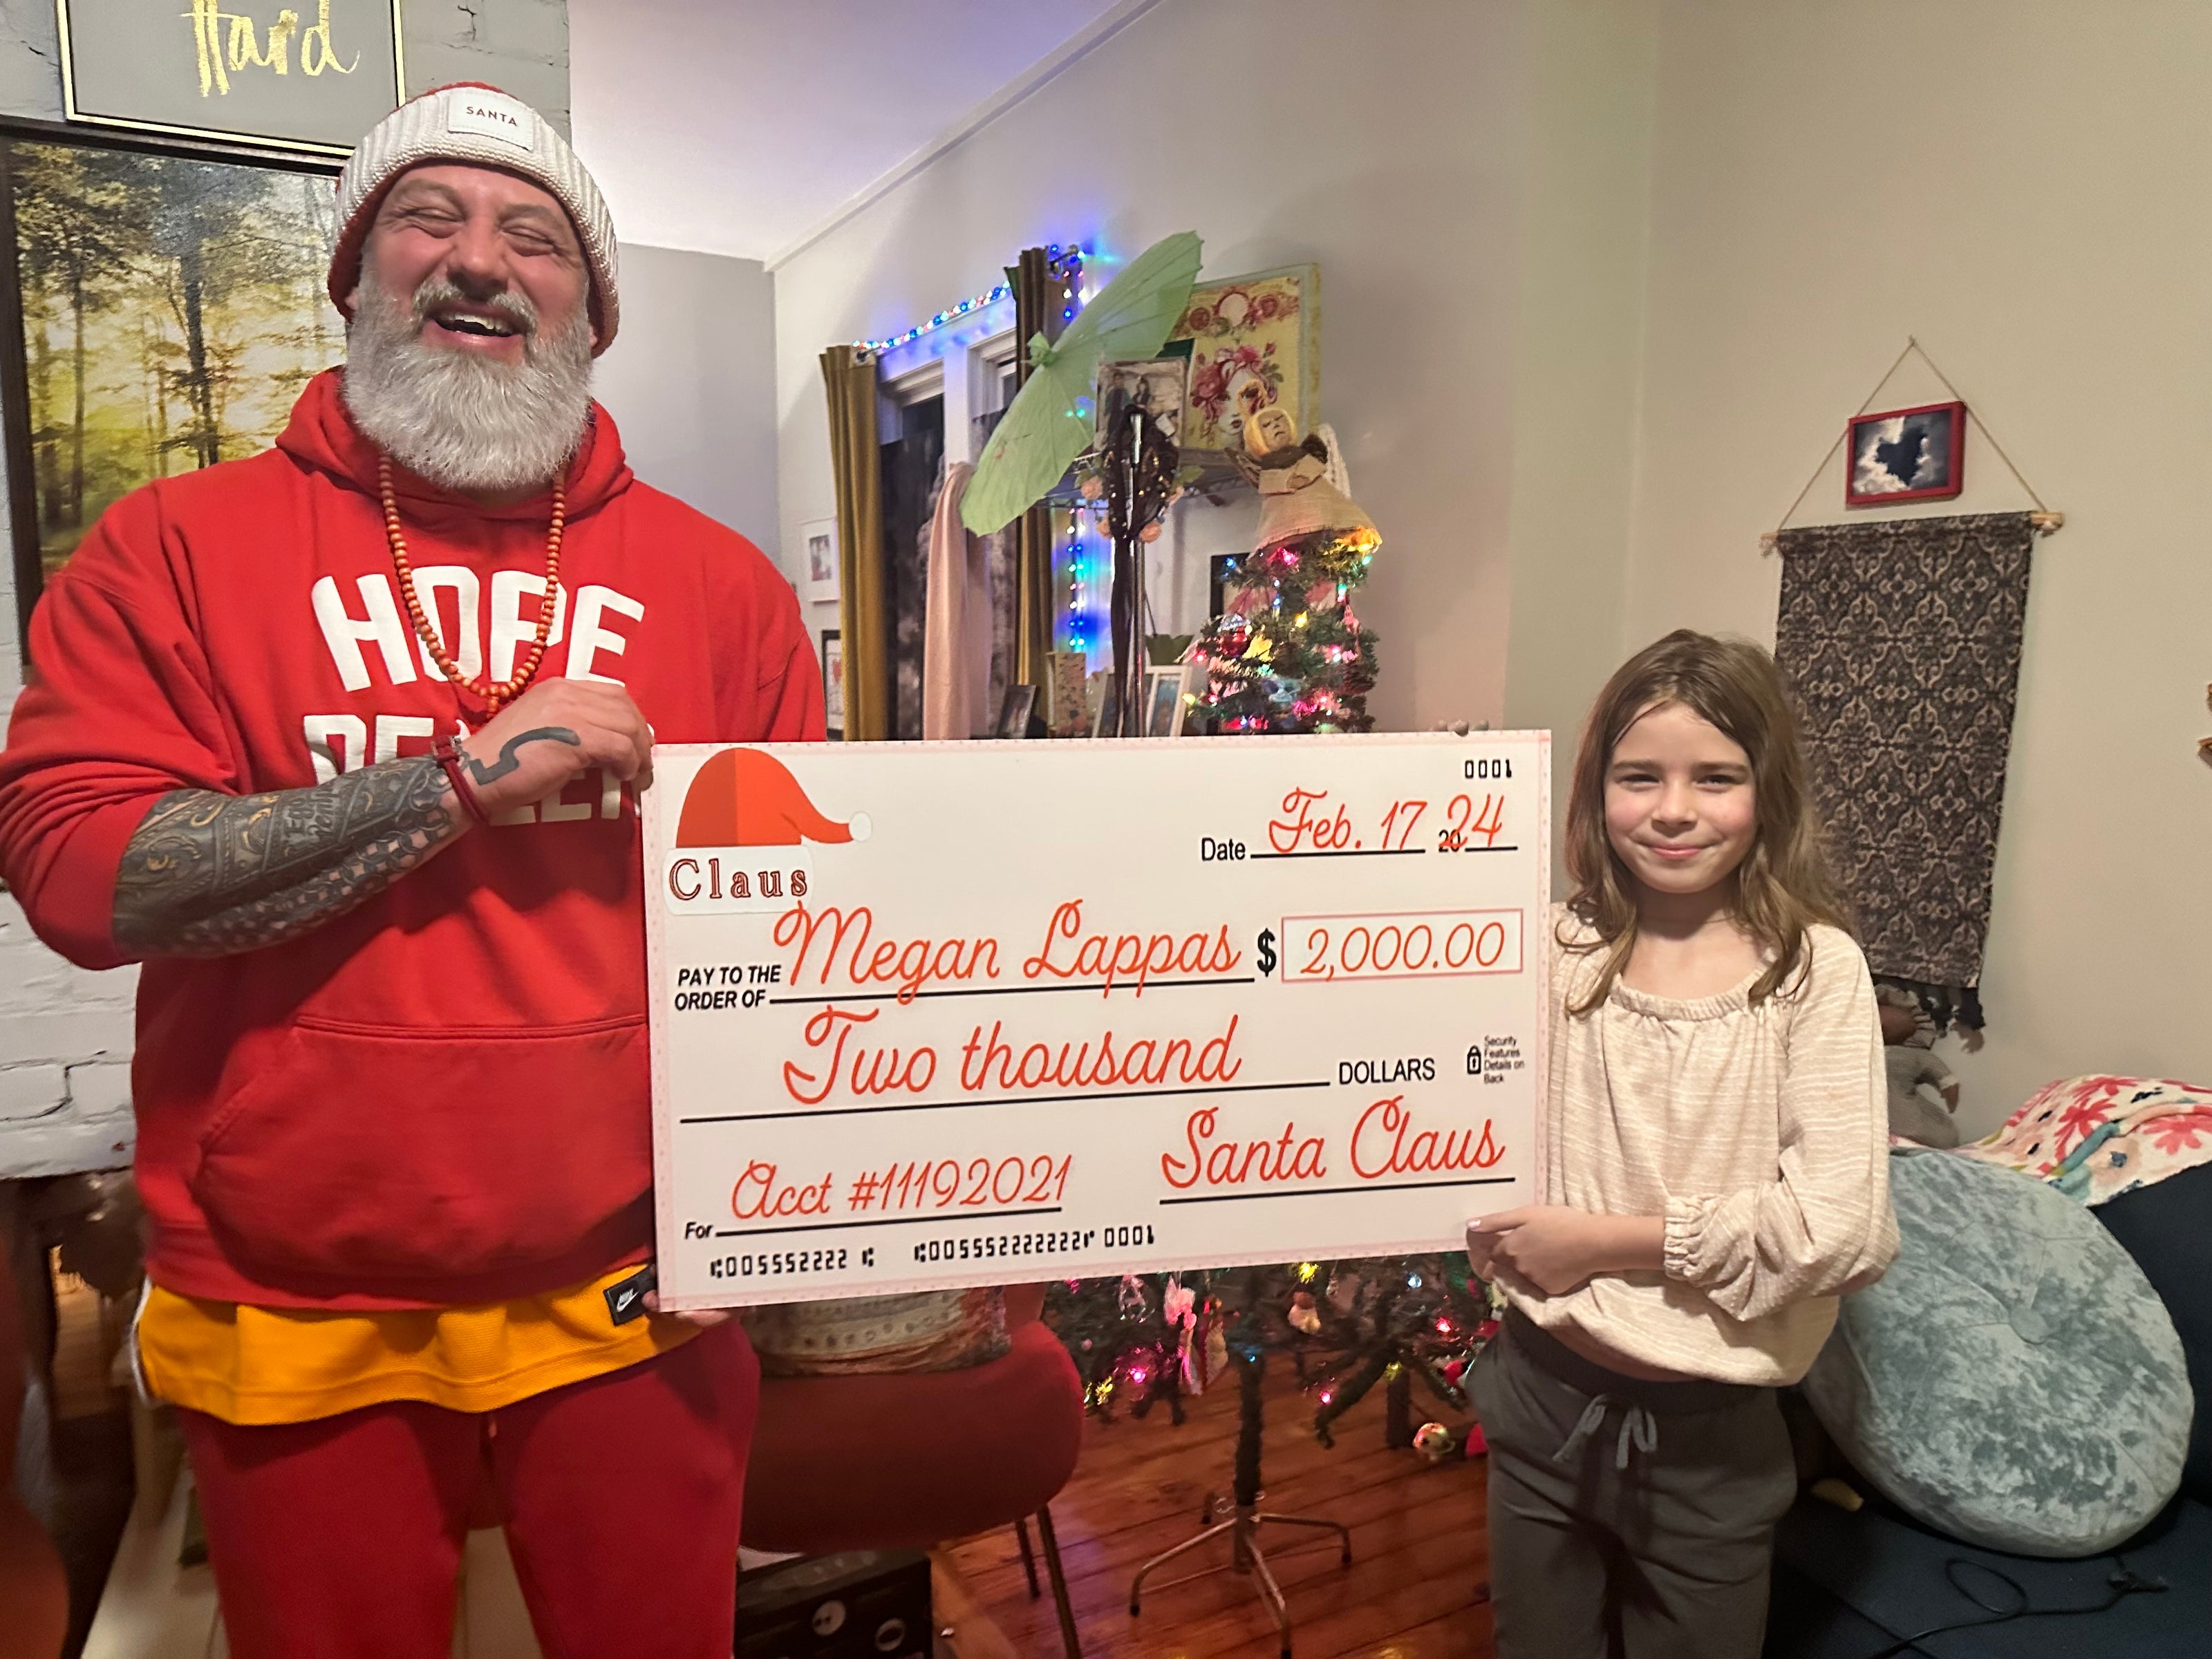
[1847,1586]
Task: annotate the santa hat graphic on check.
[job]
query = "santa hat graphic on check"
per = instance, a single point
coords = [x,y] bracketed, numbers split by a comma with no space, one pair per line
[743,798]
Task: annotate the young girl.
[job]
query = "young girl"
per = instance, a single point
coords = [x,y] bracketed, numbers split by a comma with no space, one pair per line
[1712,1171]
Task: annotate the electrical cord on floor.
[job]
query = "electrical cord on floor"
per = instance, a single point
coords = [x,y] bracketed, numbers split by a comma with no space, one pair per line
[2124,1582]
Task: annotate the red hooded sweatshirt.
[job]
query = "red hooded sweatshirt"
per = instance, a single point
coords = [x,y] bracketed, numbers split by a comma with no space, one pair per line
[441,1097]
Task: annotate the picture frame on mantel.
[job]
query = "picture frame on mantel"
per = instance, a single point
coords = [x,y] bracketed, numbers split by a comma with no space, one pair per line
[310,77]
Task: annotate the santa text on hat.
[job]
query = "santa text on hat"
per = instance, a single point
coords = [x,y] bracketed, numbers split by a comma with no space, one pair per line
[340,742]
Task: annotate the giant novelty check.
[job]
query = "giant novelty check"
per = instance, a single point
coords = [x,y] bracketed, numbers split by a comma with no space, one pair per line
[927,1015]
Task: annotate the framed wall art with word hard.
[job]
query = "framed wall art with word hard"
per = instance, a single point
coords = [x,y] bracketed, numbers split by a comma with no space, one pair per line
[311,75]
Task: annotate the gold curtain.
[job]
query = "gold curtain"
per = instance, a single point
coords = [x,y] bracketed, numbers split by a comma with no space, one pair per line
[855,462]
[1033,619]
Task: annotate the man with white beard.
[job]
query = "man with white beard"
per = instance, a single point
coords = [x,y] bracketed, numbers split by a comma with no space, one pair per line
[340,742]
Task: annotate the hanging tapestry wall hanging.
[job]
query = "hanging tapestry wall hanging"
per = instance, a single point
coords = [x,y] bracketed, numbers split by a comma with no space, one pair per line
[1901,643]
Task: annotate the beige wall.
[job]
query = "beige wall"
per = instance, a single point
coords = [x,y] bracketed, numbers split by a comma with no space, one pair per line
[690,381]
[1604,277]
[1578,339]
[1380,139]
[2026,185]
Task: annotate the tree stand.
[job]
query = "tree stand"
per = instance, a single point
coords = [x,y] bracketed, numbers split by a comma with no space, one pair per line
[1245,1517]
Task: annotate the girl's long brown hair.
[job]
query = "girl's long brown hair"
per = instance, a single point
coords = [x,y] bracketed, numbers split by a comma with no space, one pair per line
[1782,885]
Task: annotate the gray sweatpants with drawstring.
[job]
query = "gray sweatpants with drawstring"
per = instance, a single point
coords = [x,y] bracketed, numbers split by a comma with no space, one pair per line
[1627,1518]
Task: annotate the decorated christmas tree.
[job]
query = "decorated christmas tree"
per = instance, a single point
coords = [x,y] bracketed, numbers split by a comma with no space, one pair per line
[1396,1321]
[1345,1326]
[1288,652]
[1135,1341]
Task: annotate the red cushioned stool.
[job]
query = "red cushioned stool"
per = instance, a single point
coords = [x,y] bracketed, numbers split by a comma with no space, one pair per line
[905,1461]
[34,1589]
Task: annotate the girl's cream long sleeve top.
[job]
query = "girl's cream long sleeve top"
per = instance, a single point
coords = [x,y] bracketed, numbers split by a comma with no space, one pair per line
[1760,1133]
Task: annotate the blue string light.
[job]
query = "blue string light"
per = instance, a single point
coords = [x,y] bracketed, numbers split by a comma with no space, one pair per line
[1065,262]
[1081,623]
[952,315]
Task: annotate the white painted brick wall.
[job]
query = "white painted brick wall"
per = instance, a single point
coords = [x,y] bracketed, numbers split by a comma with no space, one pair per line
[64,1058]
[65,1033]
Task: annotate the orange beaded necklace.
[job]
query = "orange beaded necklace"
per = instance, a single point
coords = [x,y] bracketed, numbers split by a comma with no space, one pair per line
[493,694]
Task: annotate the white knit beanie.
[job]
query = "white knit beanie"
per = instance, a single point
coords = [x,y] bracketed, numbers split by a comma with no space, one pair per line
[473,124]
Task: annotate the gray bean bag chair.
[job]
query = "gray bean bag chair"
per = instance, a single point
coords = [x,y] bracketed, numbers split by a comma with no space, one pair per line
[2013,1380]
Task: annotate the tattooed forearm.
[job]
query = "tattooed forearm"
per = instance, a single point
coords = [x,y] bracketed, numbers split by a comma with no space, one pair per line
[211,875]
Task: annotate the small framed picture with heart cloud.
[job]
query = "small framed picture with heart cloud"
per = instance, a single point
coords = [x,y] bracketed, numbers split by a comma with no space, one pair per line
[1906,455]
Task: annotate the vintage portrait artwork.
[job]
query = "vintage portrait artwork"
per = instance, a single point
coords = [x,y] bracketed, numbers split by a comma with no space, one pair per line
[1253,343]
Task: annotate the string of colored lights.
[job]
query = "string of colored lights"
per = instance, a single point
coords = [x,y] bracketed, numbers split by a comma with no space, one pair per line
[1065,263]
[1082,621]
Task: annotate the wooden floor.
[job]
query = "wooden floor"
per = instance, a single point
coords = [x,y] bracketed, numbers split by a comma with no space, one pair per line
[89,1445]
[1417,1588]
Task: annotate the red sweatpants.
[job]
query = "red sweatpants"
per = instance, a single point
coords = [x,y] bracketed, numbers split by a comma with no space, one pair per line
[341,1539]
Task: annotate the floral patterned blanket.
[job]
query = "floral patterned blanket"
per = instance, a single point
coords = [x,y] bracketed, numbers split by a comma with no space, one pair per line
[2094,1137]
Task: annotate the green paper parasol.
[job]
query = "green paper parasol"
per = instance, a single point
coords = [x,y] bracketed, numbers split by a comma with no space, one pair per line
[1048,424]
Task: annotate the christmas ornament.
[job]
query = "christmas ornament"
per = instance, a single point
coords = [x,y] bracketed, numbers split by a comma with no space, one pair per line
[1433,1441]
[1179,1304]
[1199,1365]
[1303,1316]
[1137,1370]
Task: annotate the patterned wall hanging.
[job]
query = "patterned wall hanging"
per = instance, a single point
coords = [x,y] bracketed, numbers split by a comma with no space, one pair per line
[1901,643]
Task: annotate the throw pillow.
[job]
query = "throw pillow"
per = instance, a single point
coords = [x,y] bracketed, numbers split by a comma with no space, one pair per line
[2013,1380]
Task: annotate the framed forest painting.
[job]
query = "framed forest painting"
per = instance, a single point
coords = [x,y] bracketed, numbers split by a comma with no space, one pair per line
[161,308]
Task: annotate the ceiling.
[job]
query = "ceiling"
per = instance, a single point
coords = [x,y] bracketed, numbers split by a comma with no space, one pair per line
[738,126]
